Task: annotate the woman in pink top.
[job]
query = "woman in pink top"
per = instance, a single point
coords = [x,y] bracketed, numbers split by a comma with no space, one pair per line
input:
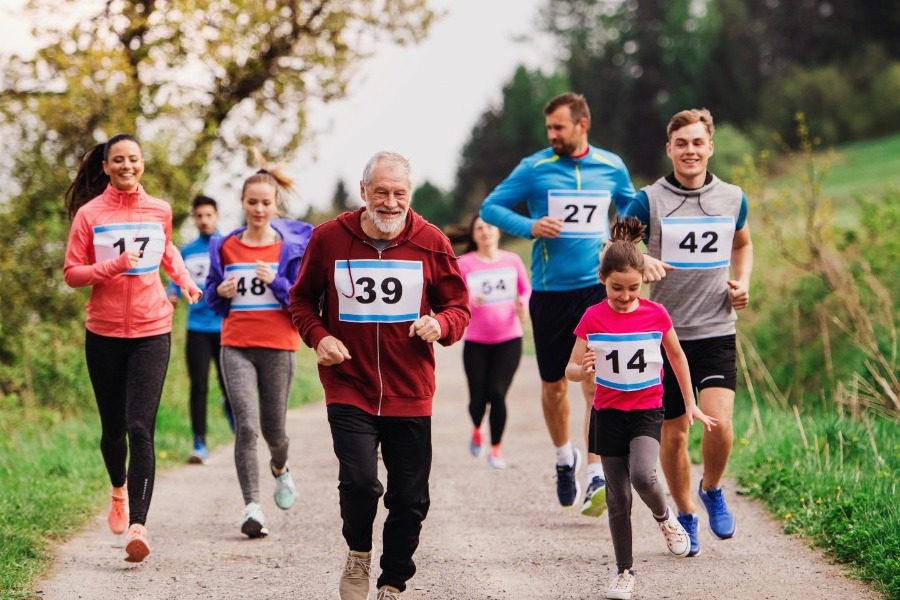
[498,292]
[619,343]
[120,236]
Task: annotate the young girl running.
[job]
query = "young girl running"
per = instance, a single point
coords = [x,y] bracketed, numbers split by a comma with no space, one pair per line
[119,238]
[498,293]
[251,272]
[618,344]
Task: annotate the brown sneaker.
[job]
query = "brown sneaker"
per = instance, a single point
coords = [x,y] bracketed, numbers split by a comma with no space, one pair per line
[387,592]
[136,547]
[354,583]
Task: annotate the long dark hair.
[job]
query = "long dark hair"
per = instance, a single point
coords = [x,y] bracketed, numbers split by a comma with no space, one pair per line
[90,180]
[462,235]
[623,253]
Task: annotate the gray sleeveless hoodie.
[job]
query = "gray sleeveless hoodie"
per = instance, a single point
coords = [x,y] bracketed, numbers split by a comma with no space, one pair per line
[697,299]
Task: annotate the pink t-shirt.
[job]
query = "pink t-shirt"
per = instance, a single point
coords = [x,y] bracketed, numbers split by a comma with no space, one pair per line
[629,354]
[494,287]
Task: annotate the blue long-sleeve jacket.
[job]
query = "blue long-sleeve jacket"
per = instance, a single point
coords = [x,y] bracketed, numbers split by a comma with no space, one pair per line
[201,317]
[562,263]
[294,236]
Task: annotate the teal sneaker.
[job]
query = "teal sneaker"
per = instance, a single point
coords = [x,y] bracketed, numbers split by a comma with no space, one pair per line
[285,491]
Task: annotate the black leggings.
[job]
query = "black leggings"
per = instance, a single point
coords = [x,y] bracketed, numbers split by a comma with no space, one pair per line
[128,375]
[202,347]
[490,369]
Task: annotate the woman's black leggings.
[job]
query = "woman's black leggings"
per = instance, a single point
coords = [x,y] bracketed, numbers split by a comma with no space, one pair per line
[128,375]
[490,369]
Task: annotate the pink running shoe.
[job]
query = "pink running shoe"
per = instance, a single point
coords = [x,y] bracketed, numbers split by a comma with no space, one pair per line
[118,513]
[137,547]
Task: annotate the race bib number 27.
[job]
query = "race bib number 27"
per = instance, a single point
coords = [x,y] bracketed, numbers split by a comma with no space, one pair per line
[584,213]
[378,291]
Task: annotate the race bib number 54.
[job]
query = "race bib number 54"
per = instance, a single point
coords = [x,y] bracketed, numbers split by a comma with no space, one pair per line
[378,291]
[627,361]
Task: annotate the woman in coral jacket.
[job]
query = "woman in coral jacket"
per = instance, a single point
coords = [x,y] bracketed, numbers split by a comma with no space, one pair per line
[251,271]
[120,236]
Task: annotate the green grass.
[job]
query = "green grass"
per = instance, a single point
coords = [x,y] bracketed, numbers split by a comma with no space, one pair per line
[52,478]
[867,168]
[834,482]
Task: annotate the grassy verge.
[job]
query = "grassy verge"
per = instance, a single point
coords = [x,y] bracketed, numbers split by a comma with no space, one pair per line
[830,479]
[52,478]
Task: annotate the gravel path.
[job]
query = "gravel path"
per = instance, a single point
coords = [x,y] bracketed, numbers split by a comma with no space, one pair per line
[490,534]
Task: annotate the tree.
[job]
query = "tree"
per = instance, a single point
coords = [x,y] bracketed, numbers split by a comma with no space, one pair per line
[198,81]
[433,203]
[340,199]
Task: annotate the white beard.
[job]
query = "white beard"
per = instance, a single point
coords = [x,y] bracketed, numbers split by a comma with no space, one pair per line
[389,227]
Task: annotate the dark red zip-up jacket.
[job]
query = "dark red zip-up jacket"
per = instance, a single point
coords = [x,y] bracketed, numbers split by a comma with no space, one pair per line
[390,373]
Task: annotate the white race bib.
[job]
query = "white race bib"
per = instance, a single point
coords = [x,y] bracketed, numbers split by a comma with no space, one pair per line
[252,292]
[697,242]
[584,213]
[378,291]
[198,267]
[114,239]
[493,286]
[627,361]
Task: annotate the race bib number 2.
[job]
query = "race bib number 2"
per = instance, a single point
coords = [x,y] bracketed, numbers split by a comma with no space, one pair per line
[627,361]
[584,213]
[697,242]
[378,291]
[114,239]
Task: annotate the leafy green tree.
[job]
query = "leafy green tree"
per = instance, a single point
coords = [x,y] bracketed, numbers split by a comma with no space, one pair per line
[433,203]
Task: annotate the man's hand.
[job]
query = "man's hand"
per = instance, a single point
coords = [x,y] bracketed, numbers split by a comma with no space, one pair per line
[655,269]
[331,351]
[427,328]
[740,295]
[546,227]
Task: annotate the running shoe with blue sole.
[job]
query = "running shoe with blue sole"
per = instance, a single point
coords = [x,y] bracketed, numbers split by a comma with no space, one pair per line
[721,521]
[567,488]
[691,523]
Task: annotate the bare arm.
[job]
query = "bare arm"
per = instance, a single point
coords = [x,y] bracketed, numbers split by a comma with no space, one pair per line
[581,362]
[741,268]
[679,364]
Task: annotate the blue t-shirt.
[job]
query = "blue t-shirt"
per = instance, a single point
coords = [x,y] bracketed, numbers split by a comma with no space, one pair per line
[572,260]
[201,318]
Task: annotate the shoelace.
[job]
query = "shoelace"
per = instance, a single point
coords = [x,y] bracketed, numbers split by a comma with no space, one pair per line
[718,499]
[357,566]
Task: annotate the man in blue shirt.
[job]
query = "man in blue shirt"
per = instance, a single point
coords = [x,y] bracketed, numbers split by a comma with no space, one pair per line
[204,327]
[569,189]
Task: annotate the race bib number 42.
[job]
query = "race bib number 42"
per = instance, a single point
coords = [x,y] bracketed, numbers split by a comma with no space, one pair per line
[697,242]
[584,213]
[378,291]
[627,361]
[252,292]
[114,239]
[496,285]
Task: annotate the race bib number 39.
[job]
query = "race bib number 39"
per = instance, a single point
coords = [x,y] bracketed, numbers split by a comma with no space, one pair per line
[252,292]
[497,285]
[378,291]
[584,213]
[627,361]
[697,242]
[114,239]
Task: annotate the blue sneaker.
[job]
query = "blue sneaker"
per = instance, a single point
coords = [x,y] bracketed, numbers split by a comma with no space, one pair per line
[594,498]
[200,454]
[567,488]
[721,521]
[690,522]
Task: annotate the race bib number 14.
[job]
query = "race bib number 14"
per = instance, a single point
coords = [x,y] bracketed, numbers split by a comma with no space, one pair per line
[378,291]
[627,361]
[584,213]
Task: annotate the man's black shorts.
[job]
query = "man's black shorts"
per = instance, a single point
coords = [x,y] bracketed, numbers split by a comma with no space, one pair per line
[554,316]
[612,430]
[713,364]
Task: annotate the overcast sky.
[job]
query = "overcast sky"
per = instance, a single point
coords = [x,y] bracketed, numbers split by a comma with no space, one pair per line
[421,101]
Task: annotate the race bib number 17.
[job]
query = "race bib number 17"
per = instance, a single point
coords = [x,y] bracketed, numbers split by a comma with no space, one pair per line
[114,239]
[378,291]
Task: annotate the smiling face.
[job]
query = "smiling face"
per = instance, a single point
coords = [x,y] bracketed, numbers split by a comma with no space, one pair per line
[124,165]
[623,289]
[690,149]
[566,137]
[387,196]
[260,204]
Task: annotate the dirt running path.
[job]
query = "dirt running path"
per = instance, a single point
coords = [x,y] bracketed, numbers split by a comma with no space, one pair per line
[490,534]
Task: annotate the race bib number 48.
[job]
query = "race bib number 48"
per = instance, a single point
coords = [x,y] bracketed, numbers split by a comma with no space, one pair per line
[493,286]
[252,292]
[114,239]
[697,242]
[584,213]
[627,361]
[378,291]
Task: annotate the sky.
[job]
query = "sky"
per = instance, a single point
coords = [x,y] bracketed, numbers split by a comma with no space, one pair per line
[420,100]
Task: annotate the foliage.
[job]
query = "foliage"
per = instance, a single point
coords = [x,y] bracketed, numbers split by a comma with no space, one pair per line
[434,204]
[198,82]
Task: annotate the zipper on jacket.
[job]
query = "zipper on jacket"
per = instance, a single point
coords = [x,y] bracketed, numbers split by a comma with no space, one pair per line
[577,177]
[378,357]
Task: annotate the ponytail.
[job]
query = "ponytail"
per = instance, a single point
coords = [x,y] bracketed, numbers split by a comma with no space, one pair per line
[622,252]
[91,180]
[271,174]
